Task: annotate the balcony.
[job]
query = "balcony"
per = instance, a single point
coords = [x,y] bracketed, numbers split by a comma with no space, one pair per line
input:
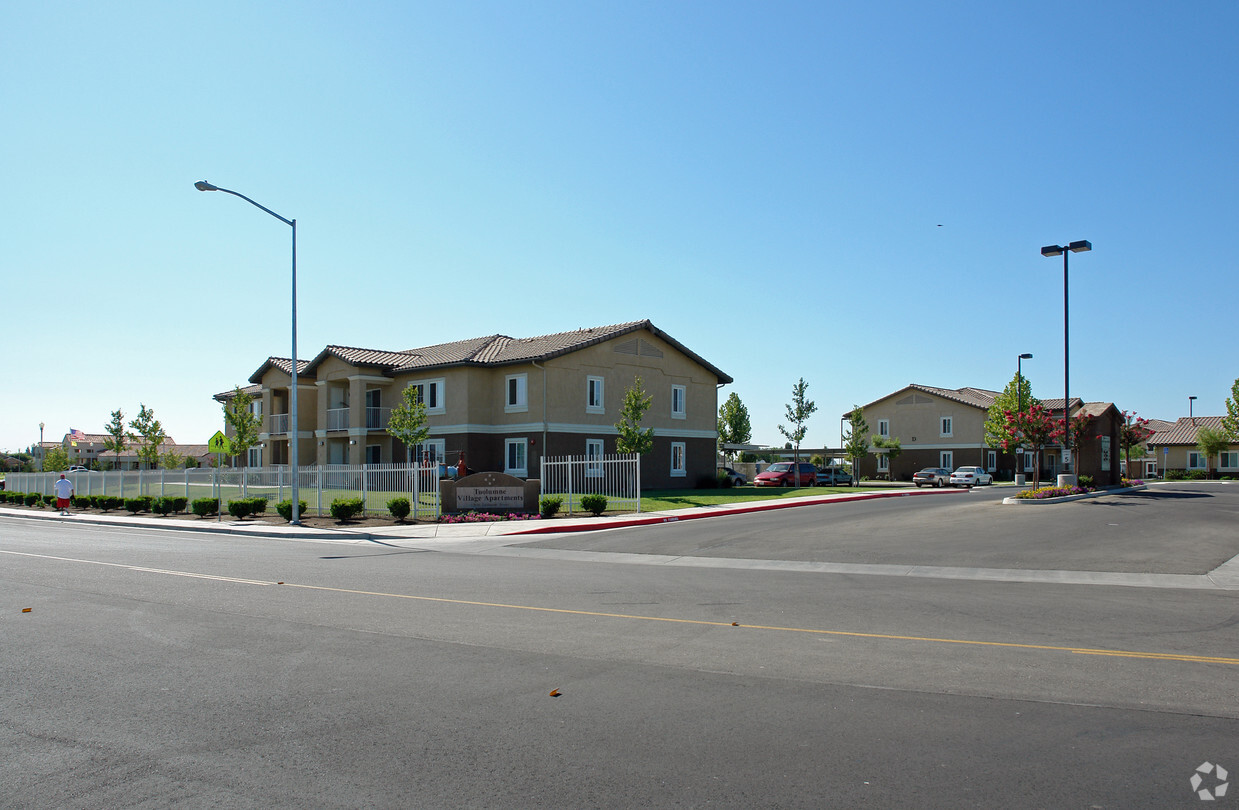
[337,419]
[278,423]
[376,418]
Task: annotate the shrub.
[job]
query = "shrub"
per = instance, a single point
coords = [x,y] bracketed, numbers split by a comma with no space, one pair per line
[346,508]
[285,508]
[594,503]
[80,501]
[202,507]
[107,502]
[135,505]
[1175,475]
[4,495]
[1086,481]
[161,506]
[1197,475]
[708,482]
[179,504]
[242,507]
[549,505]
[399,508]
[32,498]
[49,500]
[723,480]
[93,500]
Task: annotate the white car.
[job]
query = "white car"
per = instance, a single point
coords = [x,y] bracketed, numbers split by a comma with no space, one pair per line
[970,477]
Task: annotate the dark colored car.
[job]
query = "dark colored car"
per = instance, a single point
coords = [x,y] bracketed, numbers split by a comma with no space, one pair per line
[933,476]
[782,474]
[833,477]
[737,480]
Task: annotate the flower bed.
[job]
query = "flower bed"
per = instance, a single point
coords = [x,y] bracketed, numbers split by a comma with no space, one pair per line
[1052,492]
[486,517]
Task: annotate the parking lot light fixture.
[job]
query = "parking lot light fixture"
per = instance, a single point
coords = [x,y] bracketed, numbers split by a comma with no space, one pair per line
[1079,246]
[203,185]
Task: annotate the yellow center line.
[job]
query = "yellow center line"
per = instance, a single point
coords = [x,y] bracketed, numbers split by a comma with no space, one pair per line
[1198,659]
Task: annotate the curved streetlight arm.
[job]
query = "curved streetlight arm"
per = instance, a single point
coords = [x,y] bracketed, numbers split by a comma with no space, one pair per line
[203,185]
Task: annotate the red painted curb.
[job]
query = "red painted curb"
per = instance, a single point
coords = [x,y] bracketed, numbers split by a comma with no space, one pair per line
[741,510]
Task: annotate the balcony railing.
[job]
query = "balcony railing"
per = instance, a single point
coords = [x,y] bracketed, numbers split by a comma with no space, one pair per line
[337,419]
[376,418]
[279,423]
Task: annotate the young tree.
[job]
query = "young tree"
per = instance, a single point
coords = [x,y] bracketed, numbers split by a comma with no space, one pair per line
[1033,428]
[856,441]
[1211,442]
[172,460]
[1072,434]
[733,423]
[798,412]
[408,421]
[148,433]
[632,437]
[1230,422]
[1134,432]
[1017,395]
[116,443]
[893,450]
[240,416]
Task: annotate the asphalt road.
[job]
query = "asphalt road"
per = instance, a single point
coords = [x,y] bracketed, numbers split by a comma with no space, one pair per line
[165,669]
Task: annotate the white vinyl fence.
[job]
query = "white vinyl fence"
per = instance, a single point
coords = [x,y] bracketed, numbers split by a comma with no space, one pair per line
[616,477]
[318,486]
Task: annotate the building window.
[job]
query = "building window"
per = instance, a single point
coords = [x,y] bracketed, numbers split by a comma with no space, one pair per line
[991,460]
[515,455]
[430,394]
[256,407]
[678,407]
[946,459]
[429,452]
[1195,460]
[593,395]
[593,458]
[1229,460]
[946,428]
[374,454]
[254,459]
[884,427]
[884,463]
[517,397]
[678,468]
[1028,461]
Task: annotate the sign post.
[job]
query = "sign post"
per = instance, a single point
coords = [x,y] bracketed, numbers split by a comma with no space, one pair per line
[219,444]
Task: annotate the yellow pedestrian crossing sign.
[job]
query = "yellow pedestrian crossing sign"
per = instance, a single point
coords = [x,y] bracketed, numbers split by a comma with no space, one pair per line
[219,443]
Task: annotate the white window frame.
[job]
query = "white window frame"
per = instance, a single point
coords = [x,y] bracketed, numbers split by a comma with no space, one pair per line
[884,462]
[1222,459]
[1029,458]
[256,407]
[1150,469]
[991,460]
[516,400]
[1196,460]
[254,457]
[679,399]
[947,459]
[884,427]
[595,392]
[679,460]
[437,448]
[946,426]
[593,458]
[521,449]
[379,453]
[431,391]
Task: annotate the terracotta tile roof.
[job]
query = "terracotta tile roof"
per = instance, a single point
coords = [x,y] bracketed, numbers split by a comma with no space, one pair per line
[1159,425]
[976,397]
[1184,431]
[1093,408]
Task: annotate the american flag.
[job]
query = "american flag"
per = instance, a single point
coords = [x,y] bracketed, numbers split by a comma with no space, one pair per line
[76,435]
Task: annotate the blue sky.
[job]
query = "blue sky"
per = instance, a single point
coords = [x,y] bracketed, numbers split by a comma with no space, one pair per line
[855,194]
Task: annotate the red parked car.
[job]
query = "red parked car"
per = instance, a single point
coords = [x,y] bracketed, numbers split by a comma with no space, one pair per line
[781,474]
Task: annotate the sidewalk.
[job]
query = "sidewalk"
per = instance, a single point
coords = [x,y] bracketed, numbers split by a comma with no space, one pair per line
[462,531]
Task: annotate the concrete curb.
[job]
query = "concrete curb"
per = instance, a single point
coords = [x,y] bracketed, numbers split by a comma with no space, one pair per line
[1013,501]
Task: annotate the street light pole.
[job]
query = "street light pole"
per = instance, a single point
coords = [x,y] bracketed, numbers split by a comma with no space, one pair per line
[1079,246]
[1191,401]
[40,447]
[203,185]
[1019,388]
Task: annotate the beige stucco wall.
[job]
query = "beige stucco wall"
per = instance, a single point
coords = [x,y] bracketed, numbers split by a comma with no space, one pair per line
[917,424]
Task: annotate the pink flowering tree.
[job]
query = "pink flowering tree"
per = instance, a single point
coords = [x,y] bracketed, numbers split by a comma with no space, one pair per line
[1032,428]
[1134,432]
[1072,435]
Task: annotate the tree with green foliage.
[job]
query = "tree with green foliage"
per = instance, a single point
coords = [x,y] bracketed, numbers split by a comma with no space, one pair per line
[798,412]
[240,417]
[148,434]
[56,460]
[892,447]
[1230,422]
[407,421]
[1211,442]
[172,460]
[116,442]
[1134,432]
[733,423]
[1033,428]
[1017,394]
[856,441]
[632,437]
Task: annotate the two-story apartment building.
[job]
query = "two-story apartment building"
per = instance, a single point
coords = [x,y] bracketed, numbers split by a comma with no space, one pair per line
[1173,447]
[945,427]
[504,402]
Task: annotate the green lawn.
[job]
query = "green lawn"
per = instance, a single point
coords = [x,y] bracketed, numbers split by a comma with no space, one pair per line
[667,499]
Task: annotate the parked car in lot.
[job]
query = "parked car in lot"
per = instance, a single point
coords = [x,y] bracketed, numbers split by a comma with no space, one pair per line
[80,468]
[932,476]
[833,477]
[782,474]
[737,480]
[970,477]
